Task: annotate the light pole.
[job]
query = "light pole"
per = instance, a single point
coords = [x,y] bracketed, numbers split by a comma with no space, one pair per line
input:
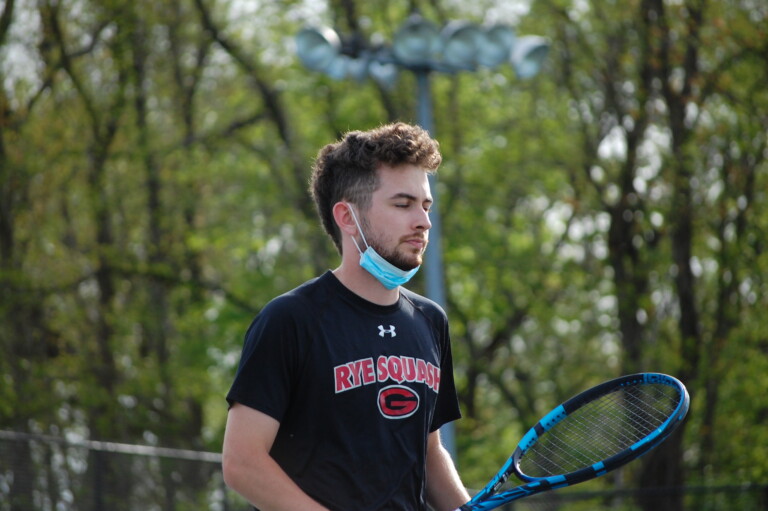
[420,47]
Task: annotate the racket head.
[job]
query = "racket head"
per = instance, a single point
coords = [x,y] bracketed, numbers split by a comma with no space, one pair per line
[601,429]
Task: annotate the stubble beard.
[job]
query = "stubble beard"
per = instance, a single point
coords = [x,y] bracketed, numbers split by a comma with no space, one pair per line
[399,259]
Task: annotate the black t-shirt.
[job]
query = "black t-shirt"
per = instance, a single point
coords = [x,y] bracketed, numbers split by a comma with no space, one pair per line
[356,388]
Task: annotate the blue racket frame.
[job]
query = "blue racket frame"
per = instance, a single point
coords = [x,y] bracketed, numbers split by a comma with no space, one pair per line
[487,498]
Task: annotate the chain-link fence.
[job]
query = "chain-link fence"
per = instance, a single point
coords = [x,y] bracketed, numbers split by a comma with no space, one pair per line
[46,473]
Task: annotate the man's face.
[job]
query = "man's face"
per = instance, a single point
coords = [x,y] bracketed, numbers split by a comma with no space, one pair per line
[397,223]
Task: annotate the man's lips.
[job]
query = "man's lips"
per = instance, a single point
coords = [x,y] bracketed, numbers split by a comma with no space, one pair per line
[419,243]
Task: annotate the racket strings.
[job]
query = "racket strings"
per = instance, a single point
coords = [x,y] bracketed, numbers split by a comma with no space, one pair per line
[600,429]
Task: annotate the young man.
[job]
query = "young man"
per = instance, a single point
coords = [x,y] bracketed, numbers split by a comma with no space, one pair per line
[344,382]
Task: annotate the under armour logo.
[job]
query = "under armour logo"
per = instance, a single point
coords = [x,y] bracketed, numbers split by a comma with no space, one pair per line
[390,331]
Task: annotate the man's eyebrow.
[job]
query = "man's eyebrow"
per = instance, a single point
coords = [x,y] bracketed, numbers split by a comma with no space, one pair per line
[408,196]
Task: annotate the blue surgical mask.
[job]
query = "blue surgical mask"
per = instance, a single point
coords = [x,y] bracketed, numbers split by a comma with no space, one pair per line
[385,272]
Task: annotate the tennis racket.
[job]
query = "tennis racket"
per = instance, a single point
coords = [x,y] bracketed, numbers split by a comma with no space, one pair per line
[589,435]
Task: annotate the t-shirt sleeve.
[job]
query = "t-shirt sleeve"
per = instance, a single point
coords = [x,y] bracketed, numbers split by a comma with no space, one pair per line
[447,406]
[268,361]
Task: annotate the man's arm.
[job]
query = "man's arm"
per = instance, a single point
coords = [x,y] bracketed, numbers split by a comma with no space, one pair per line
[445,492]
[251,471]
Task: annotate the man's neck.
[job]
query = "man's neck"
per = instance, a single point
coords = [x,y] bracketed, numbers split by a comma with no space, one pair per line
[359,281]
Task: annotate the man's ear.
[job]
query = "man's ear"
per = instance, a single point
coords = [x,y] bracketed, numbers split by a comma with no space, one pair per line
[343,218]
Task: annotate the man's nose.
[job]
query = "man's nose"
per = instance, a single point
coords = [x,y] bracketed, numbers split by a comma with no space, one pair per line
[423,221]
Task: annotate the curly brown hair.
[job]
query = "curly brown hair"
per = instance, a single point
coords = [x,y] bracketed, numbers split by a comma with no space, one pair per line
[346,170]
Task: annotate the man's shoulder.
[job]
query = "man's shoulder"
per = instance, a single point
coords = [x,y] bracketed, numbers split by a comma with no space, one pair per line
[422,303]
[307,294]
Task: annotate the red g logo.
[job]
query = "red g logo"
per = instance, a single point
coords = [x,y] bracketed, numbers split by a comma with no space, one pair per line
[398,402]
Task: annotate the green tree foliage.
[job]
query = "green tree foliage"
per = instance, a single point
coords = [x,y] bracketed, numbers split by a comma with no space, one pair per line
[608,216]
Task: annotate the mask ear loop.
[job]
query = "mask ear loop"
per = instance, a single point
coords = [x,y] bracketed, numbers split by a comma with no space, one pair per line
[359,229]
